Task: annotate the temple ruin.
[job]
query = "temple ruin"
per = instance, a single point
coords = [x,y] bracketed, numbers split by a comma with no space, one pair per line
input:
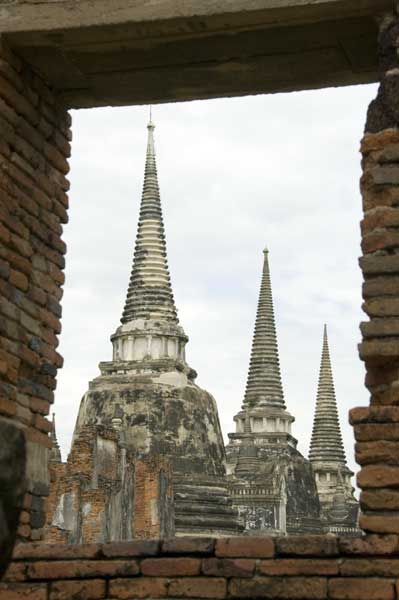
[147,455]
[80,53]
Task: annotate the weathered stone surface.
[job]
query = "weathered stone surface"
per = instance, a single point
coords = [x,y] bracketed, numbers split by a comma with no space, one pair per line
[293,588]
[381,451]
[367,589]
[91,52]
[372,544]
[310,545]
[378,476]
[12,487]
[251,547]
[375,265]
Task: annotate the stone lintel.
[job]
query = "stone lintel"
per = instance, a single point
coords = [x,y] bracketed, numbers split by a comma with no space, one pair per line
[127,52]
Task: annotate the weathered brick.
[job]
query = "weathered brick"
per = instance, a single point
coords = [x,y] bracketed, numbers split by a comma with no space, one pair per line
[93,589]
[380,240]
[381,451]
[379,523]
[378,377]
[381,327]
[15,572]
[198,587]
[228,567]
[289,588]
[141,587]
[376,431]
[164,567]
[374,414]
[380,217]
[188,545]
[378,476]
[55,552]
[361,589]
[251,547]
[378,141]
[22,591]
[133,548]
[19,280]
[309,545]
[369,545]
[298,566]
[387,395]
[72,569]
[371,567]
[381,307]
[381,286]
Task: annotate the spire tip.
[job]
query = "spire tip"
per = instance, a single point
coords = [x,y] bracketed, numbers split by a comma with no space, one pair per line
[151,124]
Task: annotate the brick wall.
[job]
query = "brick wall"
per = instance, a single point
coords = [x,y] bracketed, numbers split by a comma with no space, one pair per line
[296,568]
[34,147]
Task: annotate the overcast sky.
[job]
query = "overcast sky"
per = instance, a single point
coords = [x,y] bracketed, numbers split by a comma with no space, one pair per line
[235,175]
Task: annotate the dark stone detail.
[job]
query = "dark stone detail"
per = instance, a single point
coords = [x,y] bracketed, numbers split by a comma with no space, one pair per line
[12,487]
[383,112]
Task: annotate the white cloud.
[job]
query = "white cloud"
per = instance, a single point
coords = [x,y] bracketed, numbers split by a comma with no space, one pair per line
[235,175]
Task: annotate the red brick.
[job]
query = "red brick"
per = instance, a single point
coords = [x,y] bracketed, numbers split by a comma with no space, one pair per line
[133,548]
[93,589]
[378,476]
[82,568]
[375,432]
[19,280]
[40,551]
[198,587]
[7,407]
[380,240]
[24,531]
[307,545]
[163,567]
[141,587]
[23,591]
[288,588]
[298,566]
[228,567]
[380,451]
[371,567]
[361,589]
[40,423]
[384,499]
[188,545]
[33,435]
[252,547]
[15,572]
[376,523]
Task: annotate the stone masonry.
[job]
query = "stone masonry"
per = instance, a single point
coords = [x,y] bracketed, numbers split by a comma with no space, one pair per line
[281,568]
[34,148]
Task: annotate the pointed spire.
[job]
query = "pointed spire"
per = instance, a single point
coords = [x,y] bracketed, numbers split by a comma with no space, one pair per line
[326,443]
[264,379]
[149,294]
[55,452]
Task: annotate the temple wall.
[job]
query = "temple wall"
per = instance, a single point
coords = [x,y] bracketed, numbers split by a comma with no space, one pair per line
[34,148]
[296,568]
